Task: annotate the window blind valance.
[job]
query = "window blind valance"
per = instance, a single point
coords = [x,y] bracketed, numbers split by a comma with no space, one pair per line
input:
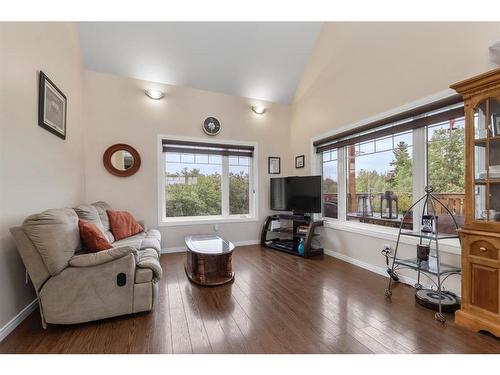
[190,147]
[442,110]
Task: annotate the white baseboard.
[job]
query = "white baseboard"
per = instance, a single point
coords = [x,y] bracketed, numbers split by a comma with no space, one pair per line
[181,249]
[15,321]
[371,267]
[171,250]
[247,243]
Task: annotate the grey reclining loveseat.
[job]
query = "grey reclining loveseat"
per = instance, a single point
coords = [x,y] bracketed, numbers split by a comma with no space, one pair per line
[73,286]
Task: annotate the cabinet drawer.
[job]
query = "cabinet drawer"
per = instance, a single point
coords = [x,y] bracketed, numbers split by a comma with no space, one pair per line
[483,249]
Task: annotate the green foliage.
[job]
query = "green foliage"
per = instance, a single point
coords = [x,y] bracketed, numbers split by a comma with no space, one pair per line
[238,193]
[398,180]
[446,161]
[329,186]
[200,195]
[446,168]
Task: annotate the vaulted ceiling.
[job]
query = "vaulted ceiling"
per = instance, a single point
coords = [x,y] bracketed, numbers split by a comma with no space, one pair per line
[261,60]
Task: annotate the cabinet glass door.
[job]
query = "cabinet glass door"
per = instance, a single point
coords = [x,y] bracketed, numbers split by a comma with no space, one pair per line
[487,160]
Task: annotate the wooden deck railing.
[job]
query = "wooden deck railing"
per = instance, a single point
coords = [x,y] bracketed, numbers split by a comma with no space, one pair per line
[454,202]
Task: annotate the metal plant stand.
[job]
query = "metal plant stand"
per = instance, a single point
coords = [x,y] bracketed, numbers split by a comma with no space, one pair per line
[440,271]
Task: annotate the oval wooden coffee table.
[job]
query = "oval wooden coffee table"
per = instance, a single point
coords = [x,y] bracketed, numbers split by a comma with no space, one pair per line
[208,260]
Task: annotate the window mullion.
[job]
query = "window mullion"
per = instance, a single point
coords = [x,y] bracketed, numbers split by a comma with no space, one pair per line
[342,184]
[419,170]
[225,186]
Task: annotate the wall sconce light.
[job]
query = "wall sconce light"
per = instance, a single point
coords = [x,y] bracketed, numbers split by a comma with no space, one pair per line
[154,94]
[258,109]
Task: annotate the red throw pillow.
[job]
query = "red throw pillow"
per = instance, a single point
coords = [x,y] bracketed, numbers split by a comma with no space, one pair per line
[123,224]
[92,237]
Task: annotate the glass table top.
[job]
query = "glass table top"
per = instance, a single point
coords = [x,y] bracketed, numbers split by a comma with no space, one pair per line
[208,244]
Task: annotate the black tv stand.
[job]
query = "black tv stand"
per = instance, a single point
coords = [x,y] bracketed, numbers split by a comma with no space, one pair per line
[287,237]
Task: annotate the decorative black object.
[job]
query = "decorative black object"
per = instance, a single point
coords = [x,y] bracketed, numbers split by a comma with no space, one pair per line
[121,279]
[364,205]
[388,205]
[423,251]
[300,161]
[52,105]
[273,165]
[431,299]
[211,126]
[429,224]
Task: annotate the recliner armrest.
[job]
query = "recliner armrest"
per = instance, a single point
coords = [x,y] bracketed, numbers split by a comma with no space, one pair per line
[101,257]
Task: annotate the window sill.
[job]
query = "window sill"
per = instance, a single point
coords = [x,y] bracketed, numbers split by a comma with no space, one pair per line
[173,222]
[451,246]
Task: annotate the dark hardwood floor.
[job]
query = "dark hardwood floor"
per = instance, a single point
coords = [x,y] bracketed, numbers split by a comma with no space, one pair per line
[278,303]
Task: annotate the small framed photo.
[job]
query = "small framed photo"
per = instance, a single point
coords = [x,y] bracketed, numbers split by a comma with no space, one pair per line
[495,124]
[299,161]
[274,165]
[51,107]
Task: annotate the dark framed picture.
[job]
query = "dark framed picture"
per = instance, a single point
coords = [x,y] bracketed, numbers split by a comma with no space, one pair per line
[495,124]
[52,105]
[299,161]
[273,165]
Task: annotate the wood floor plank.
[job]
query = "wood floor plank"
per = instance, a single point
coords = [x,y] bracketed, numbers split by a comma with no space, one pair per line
[181,341]
[278,303]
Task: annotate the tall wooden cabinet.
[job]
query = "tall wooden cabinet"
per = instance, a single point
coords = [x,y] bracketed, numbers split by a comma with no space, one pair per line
[480,236]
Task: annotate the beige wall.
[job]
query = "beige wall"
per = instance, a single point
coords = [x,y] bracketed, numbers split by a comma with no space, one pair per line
[117,111]
[359,70]
[37,169]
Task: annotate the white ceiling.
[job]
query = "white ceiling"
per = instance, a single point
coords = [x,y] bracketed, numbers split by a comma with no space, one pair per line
[261,60]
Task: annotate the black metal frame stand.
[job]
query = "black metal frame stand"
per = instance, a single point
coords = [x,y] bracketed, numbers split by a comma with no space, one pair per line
[415,264]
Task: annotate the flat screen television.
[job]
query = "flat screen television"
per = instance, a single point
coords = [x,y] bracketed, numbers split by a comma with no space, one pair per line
[298,194]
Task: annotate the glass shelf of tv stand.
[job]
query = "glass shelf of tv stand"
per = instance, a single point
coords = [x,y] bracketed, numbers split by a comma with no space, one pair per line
[429,236]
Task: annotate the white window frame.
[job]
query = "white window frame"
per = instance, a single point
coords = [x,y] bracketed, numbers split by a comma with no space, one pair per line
[419,155]
[163,220]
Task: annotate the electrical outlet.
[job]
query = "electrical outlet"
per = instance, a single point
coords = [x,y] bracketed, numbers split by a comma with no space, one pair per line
[216,227]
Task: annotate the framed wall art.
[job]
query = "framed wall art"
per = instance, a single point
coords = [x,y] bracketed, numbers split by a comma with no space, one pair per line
[274,165]
[299,161]
[52,105]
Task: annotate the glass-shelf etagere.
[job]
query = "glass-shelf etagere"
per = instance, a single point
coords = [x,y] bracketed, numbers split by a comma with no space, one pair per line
[429,236]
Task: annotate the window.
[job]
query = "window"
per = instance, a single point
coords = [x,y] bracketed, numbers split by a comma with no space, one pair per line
[207,181]
[193,185]
[371,173]
[239,185]
[329,165]
[379,180]
[446,170]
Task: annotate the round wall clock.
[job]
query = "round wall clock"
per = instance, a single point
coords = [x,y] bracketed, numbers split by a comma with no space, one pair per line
[211,126]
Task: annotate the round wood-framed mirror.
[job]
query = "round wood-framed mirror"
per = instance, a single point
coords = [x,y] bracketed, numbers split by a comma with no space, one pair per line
[121,160]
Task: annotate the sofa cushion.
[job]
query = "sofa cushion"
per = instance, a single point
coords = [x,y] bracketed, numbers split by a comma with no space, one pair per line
[102,207]
[154,233]
[92,237]
[140,241]
[123,224]
[55,235]
[89,213]
[134,241]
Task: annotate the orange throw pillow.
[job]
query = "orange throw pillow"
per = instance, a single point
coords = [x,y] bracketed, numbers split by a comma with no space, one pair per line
[92,237]
[123,224]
